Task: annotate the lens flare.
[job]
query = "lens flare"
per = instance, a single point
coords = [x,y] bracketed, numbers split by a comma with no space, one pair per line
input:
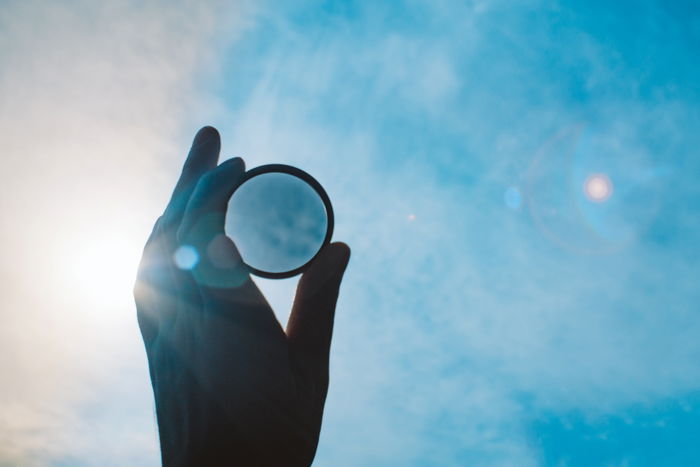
[186,257]
[598,188]
[569,191]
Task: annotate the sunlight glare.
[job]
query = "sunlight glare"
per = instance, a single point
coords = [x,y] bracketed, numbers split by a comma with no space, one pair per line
[103,268]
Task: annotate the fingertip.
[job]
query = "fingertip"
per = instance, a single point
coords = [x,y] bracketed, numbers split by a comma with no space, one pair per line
[328,268]
[341,247]
[338,253]
[203,154]
[205,135]
[237,162]
[229,169]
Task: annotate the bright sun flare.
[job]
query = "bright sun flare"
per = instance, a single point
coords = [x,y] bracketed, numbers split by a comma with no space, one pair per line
[102,270]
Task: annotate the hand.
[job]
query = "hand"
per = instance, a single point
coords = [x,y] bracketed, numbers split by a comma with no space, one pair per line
[231,386]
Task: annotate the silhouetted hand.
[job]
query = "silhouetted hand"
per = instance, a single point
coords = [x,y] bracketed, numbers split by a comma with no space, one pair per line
[231,386]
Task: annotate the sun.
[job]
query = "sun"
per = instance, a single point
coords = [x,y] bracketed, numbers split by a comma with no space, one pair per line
[101,268]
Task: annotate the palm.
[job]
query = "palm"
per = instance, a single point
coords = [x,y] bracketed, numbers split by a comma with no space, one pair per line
[231,387]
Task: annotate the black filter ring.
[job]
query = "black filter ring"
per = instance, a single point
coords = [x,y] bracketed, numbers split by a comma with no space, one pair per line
[311,181]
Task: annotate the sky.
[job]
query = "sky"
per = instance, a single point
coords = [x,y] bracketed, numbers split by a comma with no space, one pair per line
[516,179]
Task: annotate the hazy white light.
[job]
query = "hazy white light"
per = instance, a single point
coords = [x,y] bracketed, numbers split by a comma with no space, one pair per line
[411,217]
[597,187]
[186,257]
[101,269]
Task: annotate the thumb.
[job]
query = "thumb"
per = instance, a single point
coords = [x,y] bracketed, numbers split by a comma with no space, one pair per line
[310,326]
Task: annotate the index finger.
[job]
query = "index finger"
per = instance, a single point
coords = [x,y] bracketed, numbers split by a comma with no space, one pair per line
[202,157]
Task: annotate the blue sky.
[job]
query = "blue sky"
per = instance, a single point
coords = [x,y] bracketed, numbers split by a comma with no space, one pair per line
[561,332]
[492,314]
